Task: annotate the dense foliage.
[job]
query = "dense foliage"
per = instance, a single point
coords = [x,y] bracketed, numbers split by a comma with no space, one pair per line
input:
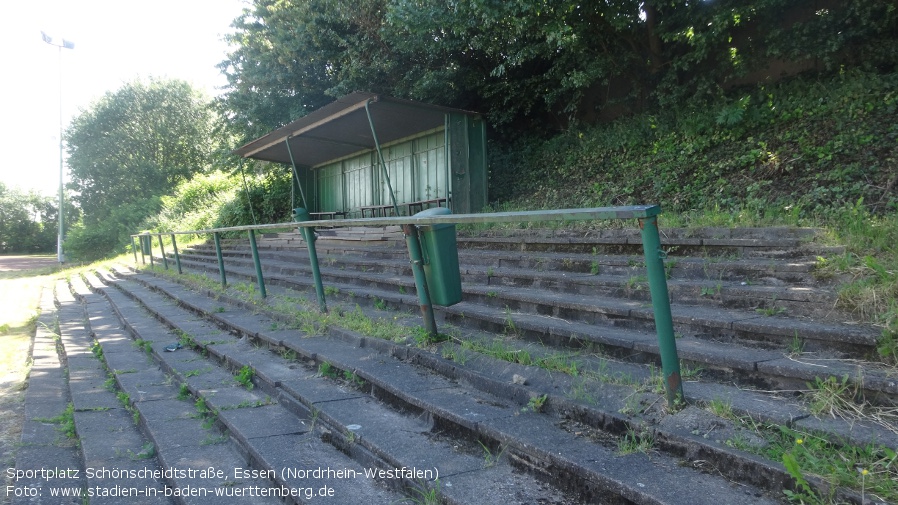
[543,63]
[218,200]
[28,222]
[126,151]
[806,145]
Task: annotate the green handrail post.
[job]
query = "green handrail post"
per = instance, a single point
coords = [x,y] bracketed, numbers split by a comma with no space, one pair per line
[162,248]
[150,248]
[417,262]
[257,262]
[141,241]
[308,234]
[654,264]
[221,269]
[174,245]
[133,249]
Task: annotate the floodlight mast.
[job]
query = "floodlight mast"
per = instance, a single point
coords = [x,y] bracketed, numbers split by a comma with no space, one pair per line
[61,44]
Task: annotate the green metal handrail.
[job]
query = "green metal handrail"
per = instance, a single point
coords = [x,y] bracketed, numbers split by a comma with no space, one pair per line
[647,215]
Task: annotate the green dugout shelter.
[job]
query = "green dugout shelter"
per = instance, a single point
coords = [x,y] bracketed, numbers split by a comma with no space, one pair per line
[347,156]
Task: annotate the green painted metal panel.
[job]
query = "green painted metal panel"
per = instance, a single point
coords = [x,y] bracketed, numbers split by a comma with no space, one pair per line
[467,163]
[399,165]
[458,164]
[330,188]
[430,167]
[477,164]
[359,181]
[421,168]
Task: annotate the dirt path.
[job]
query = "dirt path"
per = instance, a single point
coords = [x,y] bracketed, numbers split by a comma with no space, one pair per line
[20,263]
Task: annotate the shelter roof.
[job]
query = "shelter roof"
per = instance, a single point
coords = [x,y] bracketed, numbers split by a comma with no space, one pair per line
[341,128]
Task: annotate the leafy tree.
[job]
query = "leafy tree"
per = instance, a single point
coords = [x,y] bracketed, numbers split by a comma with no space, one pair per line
[27,222]
[534,62]
[129,148]
[279,69]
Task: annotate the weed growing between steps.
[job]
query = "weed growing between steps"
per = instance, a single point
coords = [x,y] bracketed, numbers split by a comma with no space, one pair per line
[206,413]
[841,398]
[244,377]
[424,493]
[870,469]
[871,265]
[633,442]
[65,422]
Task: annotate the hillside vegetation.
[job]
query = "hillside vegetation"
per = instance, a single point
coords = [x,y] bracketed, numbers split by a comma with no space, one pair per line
[799,148]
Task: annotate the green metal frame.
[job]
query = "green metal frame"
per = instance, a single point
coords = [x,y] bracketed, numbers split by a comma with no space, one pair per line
[301,215]
[257,263]
[647,215]
[150,242]
[654,264]
[302,193]
[216,237]
[380,156]
[162,251]
[174,244]
[413,242]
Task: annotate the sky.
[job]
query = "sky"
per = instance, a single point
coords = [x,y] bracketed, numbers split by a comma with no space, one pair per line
[116,42]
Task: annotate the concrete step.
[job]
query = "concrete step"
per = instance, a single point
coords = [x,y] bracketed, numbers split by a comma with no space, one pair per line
[48,459]
[358,359]
[742,242]
[704,267]
[414,394]
[764,290]
[768,324]
[201,418]
[275,426]
[106,423]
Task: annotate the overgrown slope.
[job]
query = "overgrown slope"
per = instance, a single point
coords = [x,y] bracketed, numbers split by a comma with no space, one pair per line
[801,147]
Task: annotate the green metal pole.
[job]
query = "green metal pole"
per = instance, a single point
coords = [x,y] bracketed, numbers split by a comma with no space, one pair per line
[654,264]
[143,256]
[174,245]
[221,269]
[308,234]
[380,154]
[150,241]
[302,193]
[255,249]
[417,262]
[133,249]
[162,248]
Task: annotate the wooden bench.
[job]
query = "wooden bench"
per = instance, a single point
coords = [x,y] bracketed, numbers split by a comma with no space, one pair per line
[420,204]
[411,207]
[328,214]
[376,210]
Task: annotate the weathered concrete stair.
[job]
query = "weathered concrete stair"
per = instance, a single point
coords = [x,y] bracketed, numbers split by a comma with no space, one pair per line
[386,405]
[438,417]
[733,327]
